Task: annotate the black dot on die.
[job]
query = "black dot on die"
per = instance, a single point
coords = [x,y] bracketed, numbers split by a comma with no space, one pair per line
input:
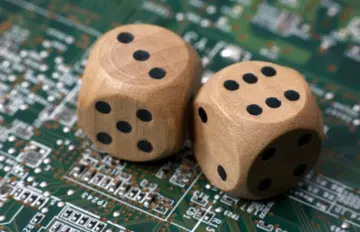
[268,71]
[157,73]
[250,78]
[268,153]
[202,115]
[125,37]
[231,85]
[254,109]
[104,138]
[222,173]
[304,139]
[264,184]
[273,102]
[103,107]
[141,55]
[300,170]
[145,146]
[124,127]
[144,115]
[292,95]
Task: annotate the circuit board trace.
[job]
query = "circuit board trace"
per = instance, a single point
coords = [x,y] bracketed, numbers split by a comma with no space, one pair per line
[53,179]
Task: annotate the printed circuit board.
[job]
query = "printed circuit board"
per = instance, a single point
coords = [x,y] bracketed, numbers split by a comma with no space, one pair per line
[53,179]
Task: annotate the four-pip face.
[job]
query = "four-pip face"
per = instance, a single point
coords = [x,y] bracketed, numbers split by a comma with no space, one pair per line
[135,91]
[257,129]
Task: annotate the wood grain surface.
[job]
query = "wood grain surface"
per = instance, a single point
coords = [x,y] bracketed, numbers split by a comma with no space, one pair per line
[145,74]
[247,109]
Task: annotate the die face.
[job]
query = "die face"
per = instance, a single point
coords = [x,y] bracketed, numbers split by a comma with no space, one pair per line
[135,90]
[143,55]
[283,162]
[127,132]
[261,91]
[214,144]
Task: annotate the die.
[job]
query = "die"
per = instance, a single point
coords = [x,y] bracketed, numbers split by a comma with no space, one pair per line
[135,92]
[257,129]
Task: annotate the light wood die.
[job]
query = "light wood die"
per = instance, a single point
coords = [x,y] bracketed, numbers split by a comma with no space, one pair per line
[136,90]
[257,129]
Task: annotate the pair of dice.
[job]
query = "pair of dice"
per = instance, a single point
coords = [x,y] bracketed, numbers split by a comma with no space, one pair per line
[256,127]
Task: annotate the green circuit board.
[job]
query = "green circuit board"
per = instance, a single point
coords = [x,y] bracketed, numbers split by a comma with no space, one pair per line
[53,179]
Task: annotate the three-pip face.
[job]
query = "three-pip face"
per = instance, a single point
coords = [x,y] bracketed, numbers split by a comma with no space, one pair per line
[135,91]
[257,129]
